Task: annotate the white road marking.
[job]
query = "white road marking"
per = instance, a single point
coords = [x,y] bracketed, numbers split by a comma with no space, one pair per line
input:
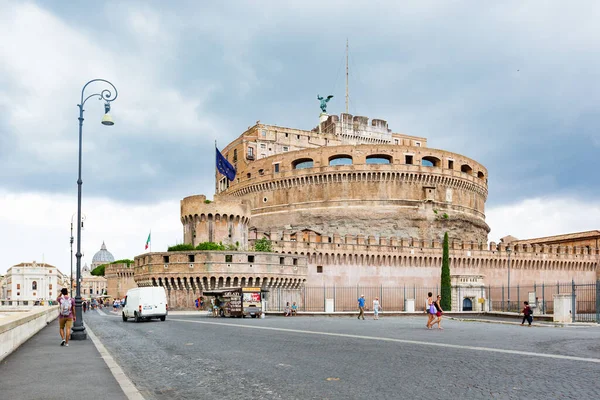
[126,385]
[417,342]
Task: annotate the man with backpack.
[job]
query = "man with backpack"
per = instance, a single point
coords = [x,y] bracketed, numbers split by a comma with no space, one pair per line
[66,316]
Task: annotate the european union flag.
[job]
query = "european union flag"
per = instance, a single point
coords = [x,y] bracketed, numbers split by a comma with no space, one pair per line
[224,166]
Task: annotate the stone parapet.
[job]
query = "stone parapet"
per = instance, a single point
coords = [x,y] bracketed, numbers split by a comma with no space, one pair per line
[18,325]
[214,269]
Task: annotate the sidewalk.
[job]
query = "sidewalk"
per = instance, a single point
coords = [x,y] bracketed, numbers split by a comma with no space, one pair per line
[41,369]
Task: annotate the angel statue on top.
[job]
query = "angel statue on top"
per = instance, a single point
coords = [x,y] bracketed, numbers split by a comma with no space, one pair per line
[324,102]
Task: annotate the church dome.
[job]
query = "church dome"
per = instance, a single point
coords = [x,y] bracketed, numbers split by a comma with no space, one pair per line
[102,257]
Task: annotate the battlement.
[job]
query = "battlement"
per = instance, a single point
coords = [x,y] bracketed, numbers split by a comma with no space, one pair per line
[307,241]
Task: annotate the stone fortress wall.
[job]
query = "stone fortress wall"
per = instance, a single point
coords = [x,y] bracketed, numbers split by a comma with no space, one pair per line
[373,261]
[395,197]
[206,221]
[186,274]
[119,279]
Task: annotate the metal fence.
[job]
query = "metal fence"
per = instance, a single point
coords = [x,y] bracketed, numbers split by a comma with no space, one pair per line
[585,298]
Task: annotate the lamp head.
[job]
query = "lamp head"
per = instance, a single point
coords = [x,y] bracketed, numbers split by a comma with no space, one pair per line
[107,119]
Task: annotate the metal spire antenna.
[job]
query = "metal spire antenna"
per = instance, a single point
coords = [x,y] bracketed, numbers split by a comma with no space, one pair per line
[347,76]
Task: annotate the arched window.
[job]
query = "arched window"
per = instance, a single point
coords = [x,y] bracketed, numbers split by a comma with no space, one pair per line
[466,169]
[340,159]
[430,161]
[379,159]
[302,163]
[480,175]
[34,285]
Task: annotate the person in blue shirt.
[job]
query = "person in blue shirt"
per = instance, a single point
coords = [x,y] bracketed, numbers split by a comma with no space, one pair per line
[361,307]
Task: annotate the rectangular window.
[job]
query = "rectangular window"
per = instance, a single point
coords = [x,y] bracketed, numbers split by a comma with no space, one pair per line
[298,137]
[281,260]
[166,259]
[250,259]
[50,287]
[263,146]
[276,168]
[395,141]
[286,135]
[285,148]
[319,269]
[228,258]
[235,155]
[408,159]
[18,286]
[450,164]
[250,151]
[418,144]
[295,261]
[263,133]
[191,257]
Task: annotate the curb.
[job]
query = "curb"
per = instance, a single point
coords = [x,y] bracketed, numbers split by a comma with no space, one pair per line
[124,382]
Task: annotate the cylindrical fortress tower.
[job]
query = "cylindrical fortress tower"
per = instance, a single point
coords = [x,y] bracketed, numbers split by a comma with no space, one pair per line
[217,221]
[367,189]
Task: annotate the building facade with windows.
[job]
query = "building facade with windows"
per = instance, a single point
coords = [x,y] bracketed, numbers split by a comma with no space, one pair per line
[34,281]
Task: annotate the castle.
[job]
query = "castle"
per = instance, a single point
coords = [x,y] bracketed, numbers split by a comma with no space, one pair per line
[351,203]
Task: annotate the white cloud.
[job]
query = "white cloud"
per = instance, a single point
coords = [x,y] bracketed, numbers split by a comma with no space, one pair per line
[540,217]
[37,226]
[46,62]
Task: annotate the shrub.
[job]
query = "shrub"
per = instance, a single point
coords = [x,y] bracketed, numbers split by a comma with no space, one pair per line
[210,246]
[263,244]
[181,247]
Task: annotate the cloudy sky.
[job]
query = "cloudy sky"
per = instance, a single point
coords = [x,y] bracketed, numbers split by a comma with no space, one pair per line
[514,86]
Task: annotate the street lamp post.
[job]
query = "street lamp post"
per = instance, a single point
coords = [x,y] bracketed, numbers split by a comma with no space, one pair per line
[508,250]
[71,241]
[79,332]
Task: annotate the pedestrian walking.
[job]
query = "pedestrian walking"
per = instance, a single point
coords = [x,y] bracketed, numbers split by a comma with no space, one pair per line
[84,304]
[361,307]
[527,313]
[430,309]
[438,313]
[66,316]
[376,308]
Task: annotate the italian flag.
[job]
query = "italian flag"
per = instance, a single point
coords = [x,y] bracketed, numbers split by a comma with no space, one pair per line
[148,241]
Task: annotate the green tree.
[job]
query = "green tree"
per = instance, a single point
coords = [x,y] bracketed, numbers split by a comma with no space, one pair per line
[446,284]
[263,244]
[99,270]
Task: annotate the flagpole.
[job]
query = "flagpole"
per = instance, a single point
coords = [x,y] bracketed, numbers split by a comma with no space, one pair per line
[150,240]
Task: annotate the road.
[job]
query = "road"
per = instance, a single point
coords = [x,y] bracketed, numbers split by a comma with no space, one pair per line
[193,357]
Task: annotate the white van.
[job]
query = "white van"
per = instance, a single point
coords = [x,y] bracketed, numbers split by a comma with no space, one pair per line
[145,303]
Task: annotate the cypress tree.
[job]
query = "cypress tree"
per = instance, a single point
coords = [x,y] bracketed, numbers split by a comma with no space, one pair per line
[446,302]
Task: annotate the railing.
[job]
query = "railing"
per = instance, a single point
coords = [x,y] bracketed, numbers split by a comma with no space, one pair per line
[585,298]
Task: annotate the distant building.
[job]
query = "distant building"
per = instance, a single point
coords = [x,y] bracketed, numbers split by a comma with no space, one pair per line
[91,285]
[33,281]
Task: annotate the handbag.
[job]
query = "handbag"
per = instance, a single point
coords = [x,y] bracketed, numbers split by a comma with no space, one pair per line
[432,309]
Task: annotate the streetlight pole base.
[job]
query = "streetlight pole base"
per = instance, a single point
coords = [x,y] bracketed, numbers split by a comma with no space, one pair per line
[78,333]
